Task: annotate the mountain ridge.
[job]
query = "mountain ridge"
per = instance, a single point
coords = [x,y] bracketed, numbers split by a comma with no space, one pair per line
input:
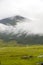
[12,20]
[21,36]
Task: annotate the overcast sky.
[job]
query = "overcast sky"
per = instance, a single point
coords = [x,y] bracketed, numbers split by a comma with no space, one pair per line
[28,8]
[32,9]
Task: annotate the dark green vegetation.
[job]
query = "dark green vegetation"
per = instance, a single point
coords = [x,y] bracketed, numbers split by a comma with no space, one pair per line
[28,55]
[23,39]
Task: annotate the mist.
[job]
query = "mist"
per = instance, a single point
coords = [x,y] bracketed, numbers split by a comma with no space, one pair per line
[31,9]
[28,27]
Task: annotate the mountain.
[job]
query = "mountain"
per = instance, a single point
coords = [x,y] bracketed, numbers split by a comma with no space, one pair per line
[11,29]
[12,20]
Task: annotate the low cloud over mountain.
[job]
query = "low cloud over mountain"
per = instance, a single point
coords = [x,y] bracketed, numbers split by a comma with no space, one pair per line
[21,29]
[19,24]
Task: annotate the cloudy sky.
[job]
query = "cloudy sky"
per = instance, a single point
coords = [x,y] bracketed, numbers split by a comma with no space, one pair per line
[31,9]
[28,8]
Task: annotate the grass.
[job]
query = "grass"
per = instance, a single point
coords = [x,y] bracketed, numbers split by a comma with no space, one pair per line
[12,55]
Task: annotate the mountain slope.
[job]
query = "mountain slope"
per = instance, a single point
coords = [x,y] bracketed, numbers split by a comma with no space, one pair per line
[17,28]
[12,20]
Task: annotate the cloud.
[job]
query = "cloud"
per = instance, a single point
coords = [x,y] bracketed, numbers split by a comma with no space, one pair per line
[32,9]
[27,8]
[32,27]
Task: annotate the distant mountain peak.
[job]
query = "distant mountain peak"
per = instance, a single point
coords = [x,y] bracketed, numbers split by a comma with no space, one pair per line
[17,17]
[12,20]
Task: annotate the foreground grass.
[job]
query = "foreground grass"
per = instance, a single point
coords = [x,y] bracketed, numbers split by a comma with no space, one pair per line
[13,55]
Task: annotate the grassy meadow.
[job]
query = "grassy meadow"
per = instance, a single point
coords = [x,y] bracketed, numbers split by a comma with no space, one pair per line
[27,55]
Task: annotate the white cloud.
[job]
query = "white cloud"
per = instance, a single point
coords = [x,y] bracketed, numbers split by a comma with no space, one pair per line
[27,8]
[32,9]
[32,27]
